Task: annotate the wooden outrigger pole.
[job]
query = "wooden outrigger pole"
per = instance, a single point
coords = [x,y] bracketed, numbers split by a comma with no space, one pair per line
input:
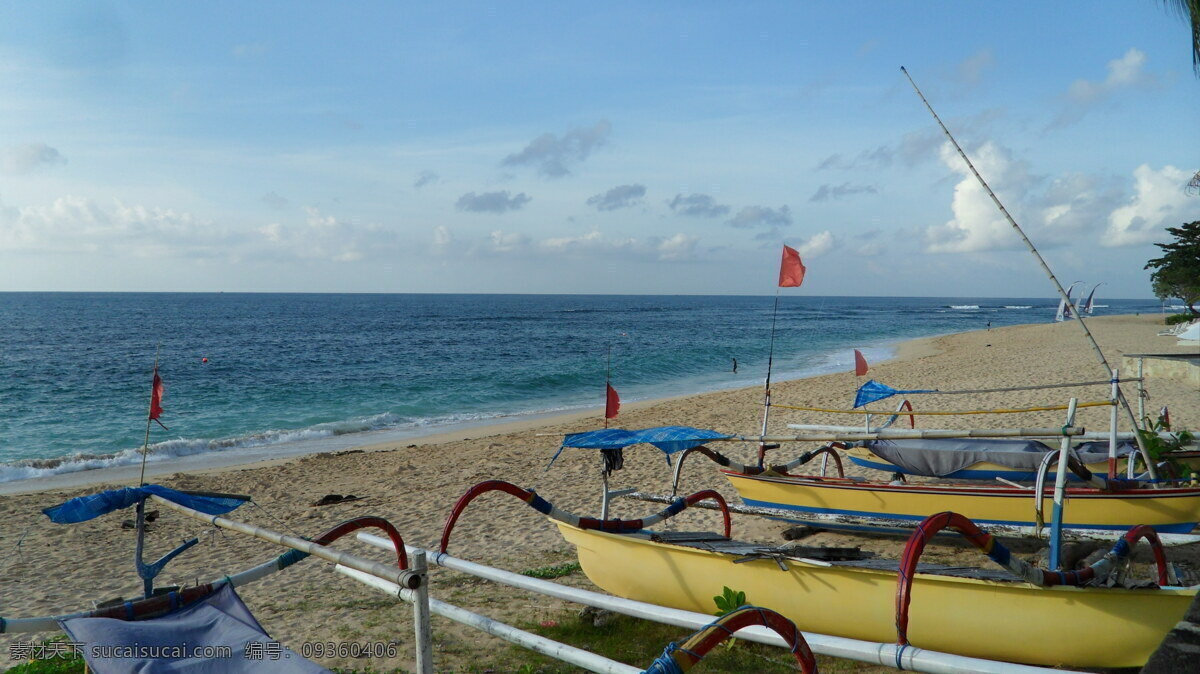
[1108,370]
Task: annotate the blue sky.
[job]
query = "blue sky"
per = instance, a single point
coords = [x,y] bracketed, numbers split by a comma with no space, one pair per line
[628,147]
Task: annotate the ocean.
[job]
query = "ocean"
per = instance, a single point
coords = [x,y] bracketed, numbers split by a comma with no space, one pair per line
[270,371]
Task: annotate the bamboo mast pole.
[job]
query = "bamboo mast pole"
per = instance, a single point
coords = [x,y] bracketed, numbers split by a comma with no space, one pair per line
[149,414]
[762,445]
[1045,268]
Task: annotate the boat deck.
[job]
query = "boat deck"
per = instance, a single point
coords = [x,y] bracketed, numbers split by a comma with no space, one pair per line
[844,557]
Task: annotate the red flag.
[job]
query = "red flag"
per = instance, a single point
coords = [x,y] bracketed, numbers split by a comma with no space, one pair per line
[860,364]
[612,403]
[1164,418]
[791,269]
[156,395]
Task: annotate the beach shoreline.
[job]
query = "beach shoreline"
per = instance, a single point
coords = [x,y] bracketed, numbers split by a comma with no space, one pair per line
[270,455]
[414,483]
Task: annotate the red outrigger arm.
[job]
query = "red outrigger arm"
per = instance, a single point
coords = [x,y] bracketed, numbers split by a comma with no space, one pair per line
[1001,555]
[548,509]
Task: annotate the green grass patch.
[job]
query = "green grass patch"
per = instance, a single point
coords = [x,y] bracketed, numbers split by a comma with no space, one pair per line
[548,572]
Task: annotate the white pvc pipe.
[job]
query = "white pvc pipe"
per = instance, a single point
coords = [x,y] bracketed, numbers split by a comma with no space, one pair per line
[908,435]
[420,601]
[1090,435]
[401,577]
[909,657]
[569,654]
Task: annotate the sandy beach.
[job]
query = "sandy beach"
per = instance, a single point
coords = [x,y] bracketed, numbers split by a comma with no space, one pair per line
[47,568]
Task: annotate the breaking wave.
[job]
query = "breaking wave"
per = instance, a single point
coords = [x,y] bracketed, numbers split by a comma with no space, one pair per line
[179,447]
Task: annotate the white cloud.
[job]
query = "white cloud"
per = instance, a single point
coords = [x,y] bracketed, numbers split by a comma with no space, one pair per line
[1126,72]
[73,224]
[678,247]
[77,224]
[1123,72]
[442,237]
[327,237]
[1158,201]
[817,245]
[977,224]
[492,202]
[21,159]
[590,244]
[508,242]
[751,216]
[697,205]
[552,156]
[971,70]
[425,178]
[621,196]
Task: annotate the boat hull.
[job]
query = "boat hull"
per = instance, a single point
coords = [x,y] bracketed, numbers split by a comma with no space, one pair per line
[1016,622]
[1174,510]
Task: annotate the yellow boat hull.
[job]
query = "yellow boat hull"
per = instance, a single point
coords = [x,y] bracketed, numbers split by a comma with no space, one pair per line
[1174,510]
[1015,622]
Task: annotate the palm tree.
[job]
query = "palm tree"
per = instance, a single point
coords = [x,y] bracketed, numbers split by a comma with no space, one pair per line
[1189,10]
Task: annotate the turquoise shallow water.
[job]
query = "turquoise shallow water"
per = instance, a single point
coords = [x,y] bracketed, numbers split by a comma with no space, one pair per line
[75,367]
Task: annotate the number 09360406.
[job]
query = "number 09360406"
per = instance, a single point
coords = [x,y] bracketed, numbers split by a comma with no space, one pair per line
[348,649]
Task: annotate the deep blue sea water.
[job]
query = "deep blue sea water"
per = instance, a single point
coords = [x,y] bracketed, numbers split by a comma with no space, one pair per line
[75,368]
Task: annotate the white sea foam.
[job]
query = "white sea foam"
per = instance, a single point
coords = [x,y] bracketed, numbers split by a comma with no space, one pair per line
[1018,306]
[964,306]
[179,447]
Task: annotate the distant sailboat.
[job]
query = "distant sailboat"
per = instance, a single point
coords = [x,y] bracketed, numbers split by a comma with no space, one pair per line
[1087,306]
[1065,306]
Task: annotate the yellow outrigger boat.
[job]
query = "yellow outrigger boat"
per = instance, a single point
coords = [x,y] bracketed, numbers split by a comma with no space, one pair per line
[993,616]
[1168,510]
[1018,613]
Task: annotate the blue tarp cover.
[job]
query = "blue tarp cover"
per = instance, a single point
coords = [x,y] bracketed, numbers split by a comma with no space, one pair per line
[669,439]
[216,635]
[873,390]
[84,508]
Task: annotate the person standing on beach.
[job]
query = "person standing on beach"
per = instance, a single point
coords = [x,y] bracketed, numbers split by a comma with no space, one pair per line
[735,365]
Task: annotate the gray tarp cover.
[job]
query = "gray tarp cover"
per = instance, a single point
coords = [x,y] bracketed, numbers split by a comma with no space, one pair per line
[221,619]
[940,457]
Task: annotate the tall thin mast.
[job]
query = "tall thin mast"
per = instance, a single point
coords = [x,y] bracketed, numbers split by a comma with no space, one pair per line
[1108,371]
[762,446]
[149,418]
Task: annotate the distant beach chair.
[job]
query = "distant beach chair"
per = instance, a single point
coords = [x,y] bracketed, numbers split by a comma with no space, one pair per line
[1177,329]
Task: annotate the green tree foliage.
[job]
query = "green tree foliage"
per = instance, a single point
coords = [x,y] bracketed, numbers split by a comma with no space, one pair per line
[1177,272]
[1189,11]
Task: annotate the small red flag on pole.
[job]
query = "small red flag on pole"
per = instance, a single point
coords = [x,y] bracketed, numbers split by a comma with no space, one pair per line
[612,403]
[156,395]
[791,269]
[860,364]
[1164,417]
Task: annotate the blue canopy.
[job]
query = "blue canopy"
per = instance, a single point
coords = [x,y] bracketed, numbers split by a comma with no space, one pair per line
[669,439]
[91,506]
[873,390]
